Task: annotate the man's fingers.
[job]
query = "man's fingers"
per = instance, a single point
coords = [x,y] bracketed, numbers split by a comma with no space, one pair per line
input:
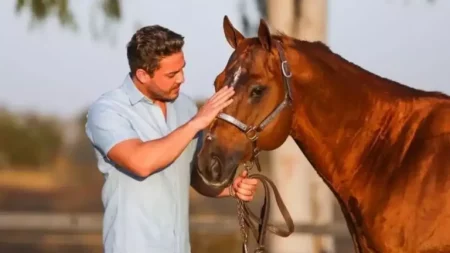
[218,109]
[237,181]
[245,185]
[224,104]
[219,93]
[244,192]
[244,197]
[250,181]
[223,89]
[222,96]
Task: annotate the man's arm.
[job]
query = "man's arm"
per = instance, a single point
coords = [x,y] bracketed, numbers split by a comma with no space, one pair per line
[114,136]
[145,158]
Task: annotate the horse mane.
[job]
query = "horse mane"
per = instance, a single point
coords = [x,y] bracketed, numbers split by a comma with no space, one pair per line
[327,59]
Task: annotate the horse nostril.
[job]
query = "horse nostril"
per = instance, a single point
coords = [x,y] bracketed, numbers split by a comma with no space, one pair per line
[215,168]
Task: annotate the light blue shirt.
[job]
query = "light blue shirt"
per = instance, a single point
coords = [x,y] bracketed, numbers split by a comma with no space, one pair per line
[148,215]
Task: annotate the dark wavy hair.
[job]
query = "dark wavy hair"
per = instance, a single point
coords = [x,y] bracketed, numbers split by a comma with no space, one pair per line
[149,45]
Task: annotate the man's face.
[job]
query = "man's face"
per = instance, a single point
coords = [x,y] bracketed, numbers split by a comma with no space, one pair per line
[167,79]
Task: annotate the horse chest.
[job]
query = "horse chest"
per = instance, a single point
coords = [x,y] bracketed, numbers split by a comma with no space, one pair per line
[372,233]
[354,220]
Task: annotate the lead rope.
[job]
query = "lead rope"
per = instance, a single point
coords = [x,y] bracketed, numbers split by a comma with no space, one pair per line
[241,214]
[245,215]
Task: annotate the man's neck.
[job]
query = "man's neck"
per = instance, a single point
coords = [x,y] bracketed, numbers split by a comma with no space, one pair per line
[159,103]
[162,106]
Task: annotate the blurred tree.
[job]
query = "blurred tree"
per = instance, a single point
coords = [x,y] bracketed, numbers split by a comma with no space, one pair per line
[81,152]
[81,156]
[29,140]
[250,28]
[41,10]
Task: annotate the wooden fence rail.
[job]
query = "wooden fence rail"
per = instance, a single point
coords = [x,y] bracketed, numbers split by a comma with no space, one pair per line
[85,223]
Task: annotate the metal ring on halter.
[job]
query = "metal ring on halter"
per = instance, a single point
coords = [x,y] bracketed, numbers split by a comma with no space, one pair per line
[252,134]
[248,165]
[285,69]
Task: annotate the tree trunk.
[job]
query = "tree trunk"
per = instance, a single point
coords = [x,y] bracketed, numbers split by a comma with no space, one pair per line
[307,197]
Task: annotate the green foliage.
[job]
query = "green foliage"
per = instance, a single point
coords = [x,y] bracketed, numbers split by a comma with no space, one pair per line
[41,10]
[28,140]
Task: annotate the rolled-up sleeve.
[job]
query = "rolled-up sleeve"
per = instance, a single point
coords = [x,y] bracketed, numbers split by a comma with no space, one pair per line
[106,127]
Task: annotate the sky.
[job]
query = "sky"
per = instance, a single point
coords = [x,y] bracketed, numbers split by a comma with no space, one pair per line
[51,70]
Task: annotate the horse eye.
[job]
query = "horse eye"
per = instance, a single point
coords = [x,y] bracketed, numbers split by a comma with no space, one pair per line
[257,91]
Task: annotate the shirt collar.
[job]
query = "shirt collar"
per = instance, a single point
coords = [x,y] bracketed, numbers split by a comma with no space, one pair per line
[133,93]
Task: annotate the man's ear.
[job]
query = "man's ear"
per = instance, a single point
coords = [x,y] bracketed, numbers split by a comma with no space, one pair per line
[142,76]
[233,36]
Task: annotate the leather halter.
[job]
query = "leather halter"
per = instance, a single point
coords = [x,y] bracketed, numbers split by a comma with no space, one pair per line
[252,131]
[246,216]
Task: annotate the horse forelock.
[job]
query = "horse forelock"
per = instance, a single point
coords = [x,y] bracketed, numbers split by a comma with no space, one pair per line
[238,67]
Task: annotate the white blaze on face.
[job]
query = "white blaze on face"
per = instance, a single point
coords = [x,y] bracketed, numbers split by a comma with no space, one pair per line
[236,76]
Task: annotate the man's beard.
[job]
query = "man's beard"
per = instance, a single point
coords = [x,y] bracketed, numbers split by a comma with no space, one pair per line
[163,98]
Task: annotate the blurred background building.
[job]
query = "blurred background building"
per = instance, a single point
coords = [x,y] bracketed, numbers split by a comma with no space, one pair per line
[58,56]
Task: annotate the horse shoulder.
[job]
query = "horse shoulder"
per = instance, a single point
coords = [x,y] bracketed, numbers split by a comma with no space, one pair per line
[427,154]
[427,193]
[413,211]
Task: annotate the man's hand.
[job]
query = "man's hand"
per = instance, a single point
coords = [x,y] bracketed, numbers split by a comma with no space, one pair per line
[244,188]
[213,106]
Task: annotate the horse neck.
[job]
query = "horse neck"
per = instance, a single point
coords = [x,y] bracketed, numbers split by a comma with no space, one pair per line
[340,118]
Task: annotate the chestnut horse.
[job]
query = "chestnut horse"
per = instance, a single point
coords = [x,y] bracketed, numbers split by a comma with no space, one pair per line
[380,146]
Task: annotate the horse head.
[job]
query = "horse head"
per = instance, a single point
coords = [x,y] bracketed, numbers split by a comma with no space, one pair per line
[260,117]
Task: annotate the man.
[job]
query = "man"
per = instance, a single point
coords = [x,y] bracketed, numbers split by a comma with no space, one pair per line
[145,134]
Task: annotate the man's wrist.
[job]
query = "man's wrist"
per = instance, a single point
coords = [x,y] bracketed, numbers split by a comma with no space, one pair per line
[192,124]
[227,192]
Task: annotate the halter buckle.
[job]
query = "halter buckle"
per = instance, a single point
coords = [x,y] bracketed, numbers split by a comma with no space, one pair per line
[285,68]
[252,134]
[256,152]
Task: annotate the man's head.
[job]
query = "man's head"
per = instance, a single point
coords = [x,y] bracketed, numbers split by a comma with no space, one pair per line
[156,61]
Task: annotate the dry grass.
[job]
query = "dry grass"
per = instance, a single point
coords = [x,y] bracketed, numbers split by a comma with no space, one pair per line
[92,243]
[29,180]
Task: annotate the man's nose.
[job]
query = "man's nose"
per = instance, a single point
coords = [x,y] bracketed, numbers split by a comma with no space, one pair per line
[180,77]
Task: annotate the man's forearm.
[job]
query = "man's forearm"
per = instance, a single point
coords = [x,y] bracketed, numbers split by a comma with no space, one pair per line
[156,154]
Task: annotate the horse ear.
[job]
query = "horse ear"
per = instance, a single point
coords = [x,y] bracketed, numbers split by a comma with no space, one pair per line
[264,35]
[234,37]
